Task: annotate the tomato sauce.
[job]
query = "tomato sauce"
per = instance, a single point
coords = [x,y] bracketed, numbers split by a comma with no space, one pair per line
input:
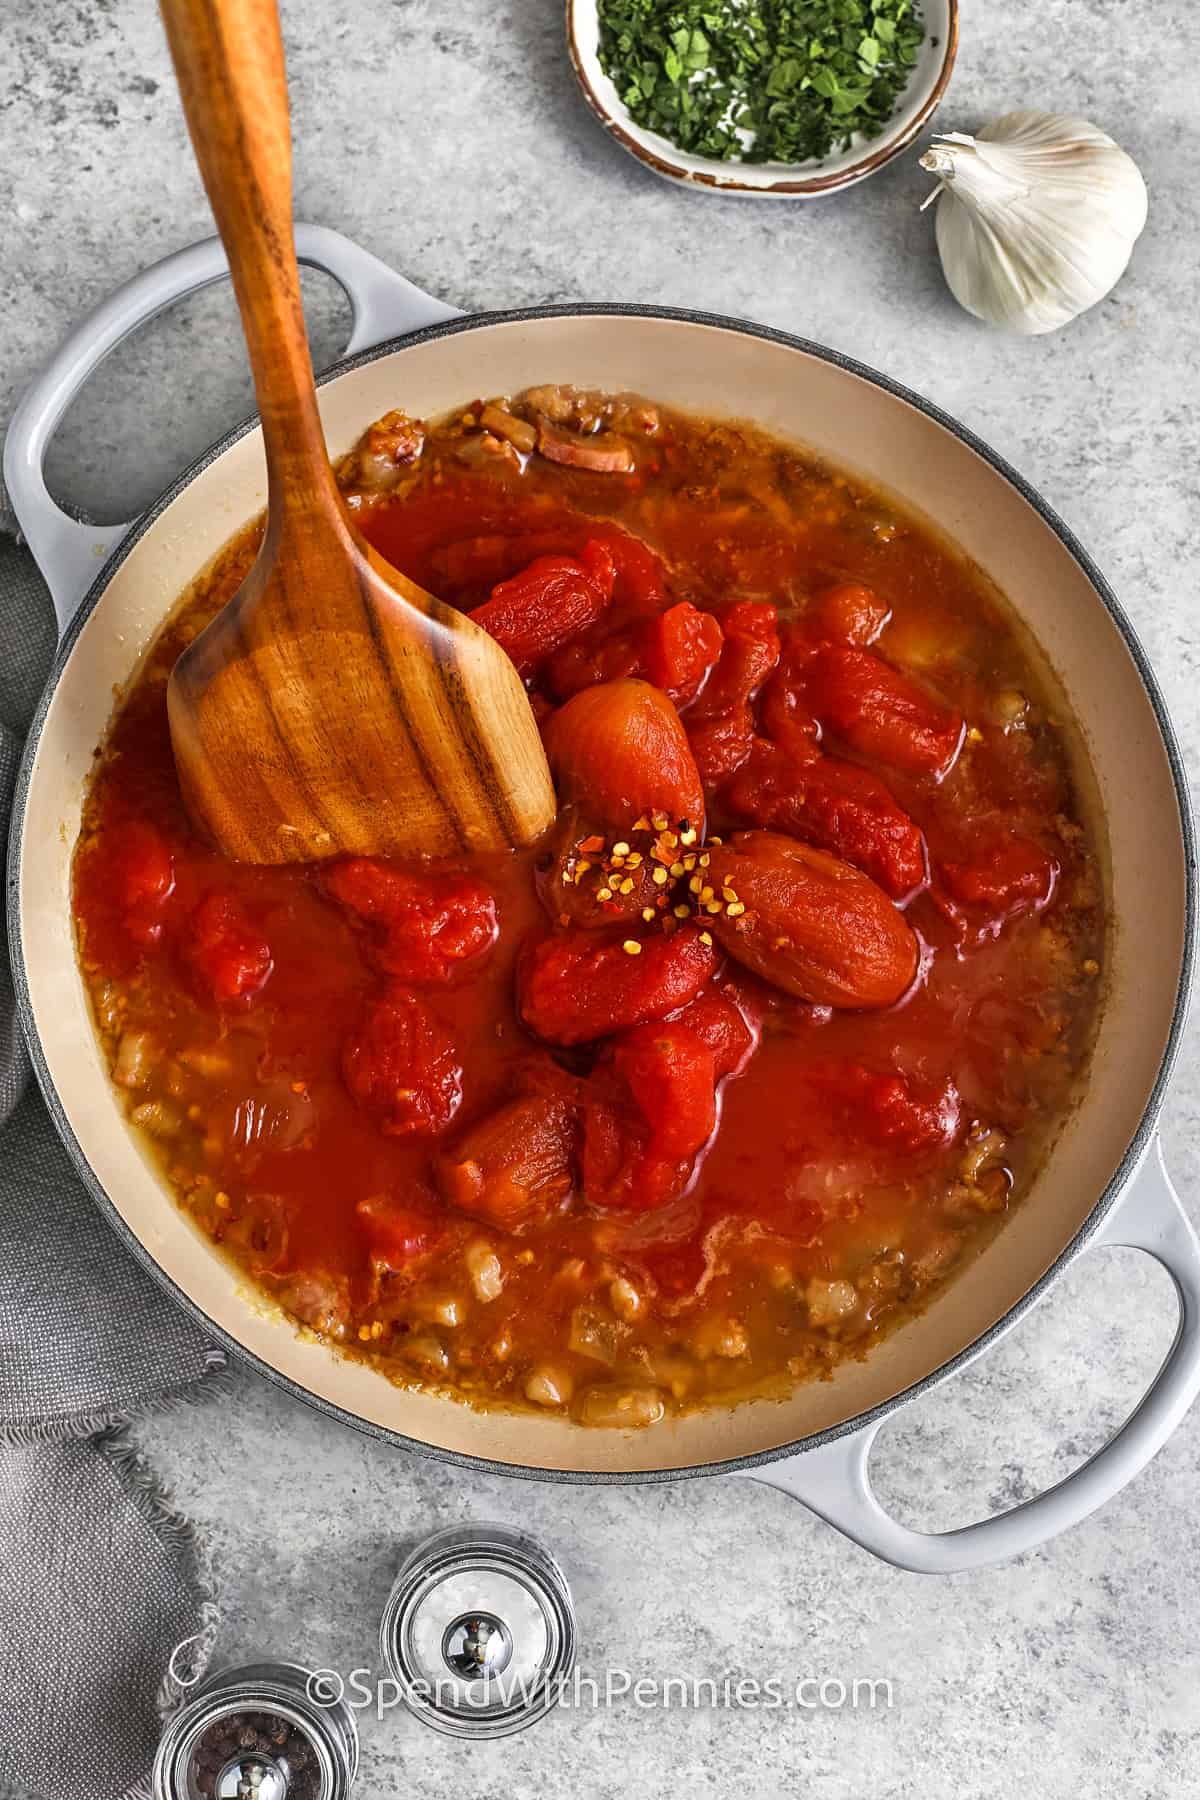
[713,1086]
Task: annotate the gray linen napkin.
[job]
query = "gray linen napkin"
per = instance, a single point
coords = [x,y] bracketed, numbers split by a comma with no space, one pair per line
[101,1580]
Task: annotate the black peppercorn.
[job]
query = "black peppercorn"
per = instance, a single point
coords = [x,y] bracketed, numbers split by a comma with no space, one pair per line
[242,1737]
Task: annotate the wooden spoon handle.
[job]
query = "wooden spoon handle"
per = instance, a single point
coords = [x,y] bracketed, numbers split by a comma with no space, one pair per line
[228,57]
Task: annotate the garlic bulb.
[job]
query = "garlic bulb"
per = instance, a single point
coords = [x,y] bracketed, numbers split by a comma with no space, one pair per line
[1037,217]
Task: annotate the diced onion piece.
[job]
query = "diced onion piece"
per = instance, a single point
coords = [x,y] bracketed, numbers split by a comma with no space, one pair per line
[109,1005]
[621,1409]
[981,1149]
[177,1081]
[428,1352]
[160,1118]
[548,1386]
[935,1258]
[1009,709]
[442,1309]
[484,1268]
[207,1061]
[137,1057]
[594,1333]
[672,1369]
[829,1302]
[721,1337]
[624,1299]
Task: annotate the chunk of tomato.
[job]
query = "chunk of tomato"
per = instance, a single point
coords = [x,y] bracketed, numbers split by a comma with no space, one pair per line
[596,656]
[680,649]
[721,744]
[652,1111]
[675,650]
[1017,876]
[880,712]
[573,989]
[886,1108]
[536,612]
[910,1120]
[229,956]
[787,714]
[514,1165]
[851,613]
[400,1064]
[671,1074]
[145,870]
[749,653]
[421,926]
[677,1270]
[727,1028]
[400,1232]
[721,723]
[145,866]
[641,585]
[837,806]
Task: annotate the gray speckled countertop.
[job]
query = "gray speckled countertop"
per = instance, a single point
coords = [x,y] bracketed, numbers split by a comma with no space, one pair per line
[450,140]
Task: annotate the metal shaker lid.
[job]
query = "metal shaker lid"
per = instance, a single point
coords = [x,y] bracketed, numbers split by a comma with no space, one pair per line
[257,1732]
[479,1631]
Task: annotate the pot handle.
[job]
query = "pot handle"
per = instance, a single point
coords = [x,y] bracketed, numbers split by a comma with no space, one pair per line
[70,554]
[834,1480]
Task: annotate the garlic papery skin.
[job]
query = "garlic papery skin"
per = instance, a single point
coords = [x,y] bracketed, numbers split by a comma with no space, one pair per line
[1037,217]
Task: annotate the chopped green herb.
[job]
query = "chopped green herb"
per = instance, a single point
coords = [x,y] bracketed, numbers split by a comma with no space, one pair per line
[760,80]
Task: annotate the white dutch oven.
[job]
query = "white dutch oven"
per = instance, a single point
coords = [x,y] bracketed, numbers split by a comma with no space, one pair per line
[1102,1183]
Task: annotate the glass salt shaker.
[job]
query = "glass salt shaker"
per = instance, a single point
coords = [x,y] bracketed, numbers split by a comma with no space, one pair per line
[479,1631]
[259,1732]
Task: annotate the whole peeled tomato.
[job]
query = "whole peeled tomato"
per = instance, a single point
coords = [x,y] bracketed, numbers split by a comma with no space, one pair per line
[619,751]
[813,926]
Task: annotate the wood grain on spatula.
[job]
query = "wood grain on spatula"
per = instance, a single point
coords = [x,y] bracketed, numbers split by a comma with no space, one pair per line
[333,705]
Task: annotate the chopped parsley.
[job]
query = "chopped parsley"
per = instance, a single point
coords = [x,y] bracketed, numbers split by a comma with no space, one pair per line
[760,80]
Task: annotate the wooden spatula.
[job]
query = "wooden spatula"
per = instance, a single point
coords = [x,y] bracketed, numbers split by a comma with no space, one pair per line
[333,705]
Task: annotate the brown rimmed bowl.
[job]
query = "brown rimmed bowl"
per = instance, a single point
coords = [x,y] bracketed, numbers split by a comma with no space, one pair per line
[770,181]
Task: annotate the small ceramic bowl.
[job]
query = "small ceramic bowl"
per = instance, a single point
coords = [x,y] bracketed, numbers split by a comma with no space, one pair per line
[782,181]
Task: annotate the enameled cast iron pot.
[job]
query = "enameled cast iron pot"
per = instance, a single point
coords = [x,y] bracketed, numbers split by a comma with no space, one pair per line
[1102,1183]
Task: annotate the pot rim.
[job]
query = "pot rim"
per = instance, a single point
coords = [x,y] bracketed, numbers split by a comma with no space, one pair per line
[1134,1151]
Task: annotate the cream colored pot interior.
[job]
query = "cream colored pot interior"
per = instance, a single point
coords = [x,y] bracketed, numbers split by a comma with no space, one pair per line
[853,423]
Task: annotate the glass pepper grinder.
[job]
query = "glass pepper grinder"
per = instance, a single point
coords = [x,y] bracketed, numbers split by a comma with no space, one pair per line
[257,1733]
[479,1631]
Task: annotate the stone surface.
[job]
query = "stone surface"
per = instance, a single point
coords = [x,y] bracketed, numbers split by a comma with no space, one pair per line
[450,140]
